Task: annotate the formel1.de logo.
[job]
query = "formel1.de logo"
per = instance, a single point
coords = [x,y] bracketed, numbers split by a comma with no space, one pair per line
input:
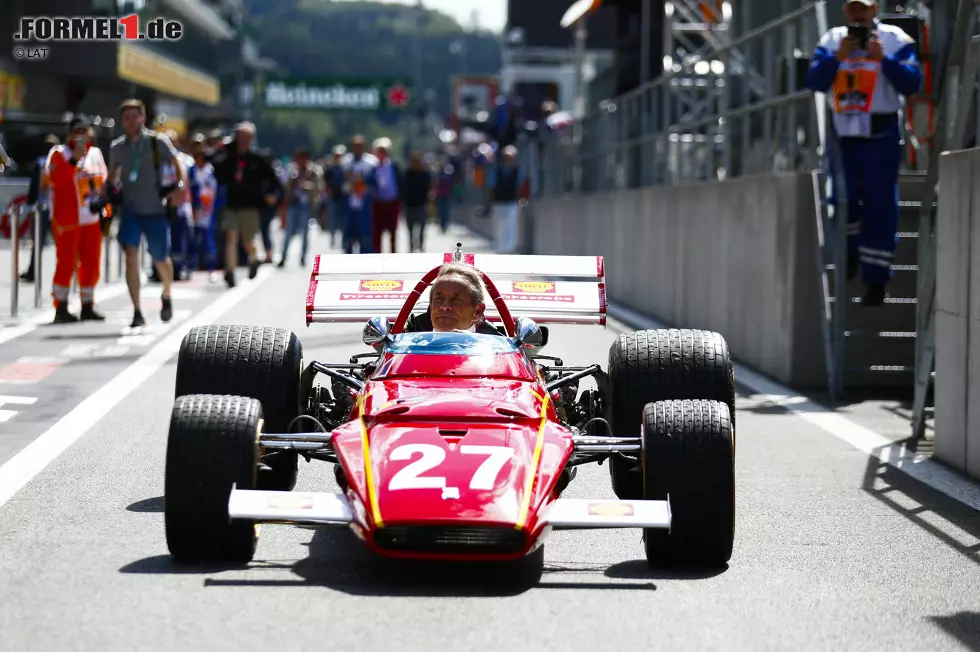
[68,29]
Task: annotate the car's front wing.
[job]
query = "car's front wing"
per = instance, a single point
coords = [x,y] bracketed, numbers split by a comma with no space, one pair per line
[328,508]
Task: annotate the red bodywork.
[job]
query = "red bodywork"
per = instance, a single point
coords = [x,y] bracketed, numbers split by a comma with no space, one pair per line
[457,442]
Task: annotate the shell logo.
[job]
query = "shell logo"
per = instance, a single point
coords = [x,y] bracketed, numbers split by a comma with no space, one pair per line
[610,509]
[389,285]
[291,501]
[535,287]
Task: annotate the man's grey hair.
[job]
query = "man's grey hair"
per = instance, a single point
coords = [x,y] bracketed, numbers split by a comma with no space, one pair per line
[465,275]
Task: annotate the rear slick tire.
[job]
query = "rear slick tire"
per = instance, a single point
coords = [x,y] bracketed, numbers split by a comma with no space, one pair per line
[213,446]
[659,365]
[260,362]
[689,458]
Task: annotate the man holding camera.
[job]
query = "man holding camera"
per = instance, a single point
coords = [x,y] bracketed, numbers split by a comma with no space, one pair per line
[866,68]
[135,161]
[76,172]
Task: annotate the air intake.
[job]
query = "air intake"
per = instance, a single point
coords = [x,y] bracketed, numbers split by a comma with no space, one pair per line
[462,540]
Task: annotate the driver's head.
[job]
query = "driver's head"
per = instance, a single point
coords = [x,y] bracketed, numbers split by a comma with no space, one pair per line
[456,301]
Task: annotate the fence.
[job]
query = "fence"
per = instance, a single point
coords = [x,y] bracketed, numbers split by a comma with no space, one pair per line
[711,117]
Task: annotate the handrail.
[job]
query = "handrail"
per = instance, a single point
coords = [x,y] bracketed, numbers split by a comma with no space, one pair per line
[741,40]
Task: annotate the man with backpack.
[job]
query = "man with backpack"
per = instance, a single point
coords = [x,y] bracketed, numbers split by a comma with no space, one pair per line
[135,161]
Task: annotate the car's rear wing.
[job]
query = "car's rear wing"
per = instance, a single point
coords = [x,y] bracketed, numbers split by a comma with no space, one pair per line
[348,288]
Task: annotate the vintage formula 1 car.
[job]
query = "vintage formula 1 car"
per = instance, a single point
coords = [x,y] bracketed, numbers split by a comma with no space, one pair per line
[452,445]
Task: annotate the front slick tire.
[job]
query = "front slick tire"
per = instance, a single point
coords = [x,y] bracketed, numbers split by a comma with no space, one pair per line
[689,455]
[213,445]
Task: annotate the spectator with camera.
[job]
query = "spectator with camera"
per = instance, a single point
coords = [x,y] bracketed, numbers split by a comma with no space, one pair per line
[135,161]
[866,69]
[76,172]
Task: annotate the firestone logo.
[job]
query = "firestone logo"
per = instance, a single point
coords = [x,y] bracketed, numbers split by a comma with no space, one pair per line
[96,28]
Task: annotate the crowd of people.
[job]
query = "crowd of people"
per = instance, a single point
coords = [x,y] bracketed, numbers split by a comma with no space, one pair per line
[198,202]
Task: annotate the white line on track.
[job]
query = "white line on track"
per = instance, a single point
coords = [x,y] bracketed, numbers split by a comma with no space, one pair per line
[25,465]
[926,471]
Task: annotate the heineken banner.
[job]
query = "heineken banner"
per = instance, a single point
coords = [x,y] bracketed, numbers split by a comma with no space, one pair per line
[325,94]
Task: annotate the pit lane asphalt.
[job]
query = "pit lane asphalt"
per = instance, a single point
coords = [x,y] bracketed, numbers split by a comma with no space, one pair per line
[834,551]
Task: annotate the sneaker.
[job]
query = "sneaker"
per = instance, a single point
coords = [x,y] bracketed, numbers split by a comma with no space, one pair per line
[166,309]
[62,316]
[138,321]
[89,314]
[213,277]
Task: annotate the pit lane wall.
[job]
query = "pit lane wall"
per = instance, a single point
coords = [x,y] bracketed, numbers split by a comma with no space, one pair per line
[957,386]
[737,257]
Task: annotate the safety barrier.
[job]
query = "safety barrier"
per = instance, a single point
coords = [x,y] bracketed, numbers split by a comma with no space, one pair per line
[17,217]
[697,189]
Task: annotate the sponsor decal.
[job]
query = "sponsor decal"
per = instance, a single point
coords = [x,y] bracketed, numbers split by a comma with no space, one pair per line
[374,296]
[560,298]
[291,501]
[534,287]
[610,509]
[386,285]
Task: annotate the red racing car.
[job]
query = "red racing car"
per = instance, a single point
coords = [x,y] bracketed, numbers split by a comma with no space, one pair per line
[452,445]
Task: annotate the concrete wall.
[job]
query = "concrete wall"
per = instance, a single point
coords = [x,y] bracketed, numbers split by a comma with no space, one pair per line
[737,257]
[958,312]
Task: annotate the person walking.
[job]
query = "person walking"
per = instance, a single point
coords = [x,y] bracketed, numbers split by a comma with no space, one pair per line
[204,191]
[360,183]
[304,186]
[504,184]
[445,180]
[135,162]
[39,196]
[418,192]
[389,194]
[247,178]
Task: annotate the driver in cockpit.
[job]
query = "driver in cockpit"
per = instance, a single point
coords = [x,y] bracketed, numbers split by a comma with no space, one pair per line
[456,303]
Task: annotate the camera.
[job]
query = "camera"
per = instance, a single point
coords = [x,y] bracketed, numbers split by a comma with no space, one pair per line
[861,32]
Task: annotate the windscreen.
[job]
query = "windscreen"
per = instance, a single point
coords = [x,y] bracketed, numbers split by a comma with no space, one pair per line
[453,343]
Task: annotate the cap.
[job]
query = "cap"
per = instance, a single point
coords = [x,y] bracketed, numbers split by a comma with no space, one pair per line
[79,122]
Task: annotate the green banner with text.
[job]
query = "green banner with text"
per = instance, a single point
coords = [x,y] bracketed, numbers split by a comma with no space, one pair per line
[328,94]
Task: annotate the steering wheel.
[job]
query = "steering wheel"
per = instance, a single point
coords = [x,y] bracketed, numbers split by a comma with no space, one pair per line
[416,294]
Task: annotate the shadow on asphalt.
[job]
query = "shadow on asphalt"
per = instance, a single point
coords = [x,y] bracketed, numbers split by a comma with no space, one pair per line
[154,505]
[114,335]
[339,561]
[963,626]
[950,521]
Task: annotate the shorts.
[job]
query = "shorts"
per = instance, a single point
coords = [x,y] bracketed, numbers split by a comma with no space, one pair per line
[156,229]
[244,220]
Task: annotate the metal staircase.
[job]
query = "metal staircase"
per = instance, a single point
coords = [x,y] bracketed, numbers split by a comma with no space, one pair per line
[874,346]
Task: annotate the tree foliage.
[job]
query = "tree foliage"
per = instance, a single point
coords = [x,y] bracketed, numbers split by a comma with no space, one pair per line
[362,39]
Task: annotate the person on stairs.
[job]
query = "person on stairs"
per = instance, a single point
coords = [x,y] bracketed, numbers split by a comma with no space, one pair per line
[866,68]
[76,172]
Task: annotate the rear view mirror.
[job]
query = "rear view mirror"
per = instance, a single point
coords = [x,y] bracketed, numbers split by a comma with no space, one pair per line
[376,332]
[529,334]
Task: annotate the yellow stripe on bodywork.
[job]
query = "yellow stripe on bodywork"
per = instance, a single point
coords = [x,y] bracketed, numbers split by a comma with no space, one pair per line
[535,461]
[368,470]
